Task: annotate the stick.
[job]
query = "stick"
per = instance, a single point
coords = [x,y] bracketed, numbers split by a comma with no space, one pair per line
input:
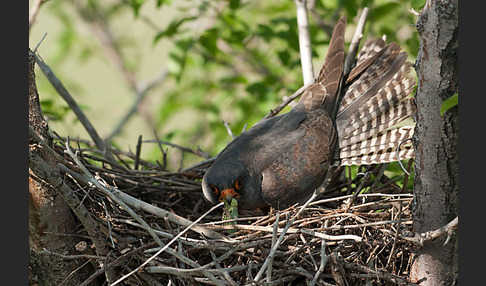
[141,205]
[112,192]
[140,96]
[448,229]
[167,245]
[274,240]
[323,262]
[277,244]
[34,11]
[228,129]
[353,47]
[304,42]
[286,102]
[62,91]
[137,152]
[182,148]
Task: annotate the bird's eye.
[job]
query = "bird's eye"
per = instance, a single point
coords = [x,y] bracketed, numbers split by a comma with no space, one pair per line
[237,184]
[214,189]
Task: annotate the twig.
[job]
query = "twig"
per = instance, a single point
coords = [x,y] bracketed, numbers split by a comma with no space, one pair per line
[167,245]
[406,177]
[139,97]
[378,273]
[228,129]
[182,148]
[34,11]
[286,102]
[74,271]
[223,271]
[114,263]
[137,153]
[337,269]
[323,262]
[112,193]
[284,231]
[398,216]
[62,91]
[364,180]
[324,236]
[274,240]
[304,42]
[353,47]
[71,257]
[420,238]
[99,26]
[40,42]
[141,205]
[398,158]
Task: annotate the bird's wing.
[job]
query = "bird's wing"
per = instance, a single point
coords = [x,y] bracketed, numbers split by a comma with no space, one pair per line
[261,145]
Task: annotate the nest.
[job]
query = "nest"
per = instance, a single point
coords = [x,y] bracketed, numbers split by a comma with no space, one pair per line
[345,236]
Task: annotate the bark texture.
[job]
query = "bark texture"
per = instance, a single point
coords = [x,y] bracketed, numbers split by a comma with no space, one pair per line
[50,218]
[435,140]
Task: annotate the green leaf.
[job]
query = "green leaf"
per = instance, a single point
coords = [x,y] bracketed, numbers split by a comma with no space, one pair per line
[449,103]
[208,40]
[234,79]
[259,88]
[265,32]
[162,2]
[136,4]
[381,11]
[172,28]
[284,57]
[234,4]
[418,4]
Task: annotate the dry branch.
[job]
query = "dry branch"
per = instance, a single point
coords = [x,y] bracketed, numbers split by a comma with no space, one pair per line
[304,41]
[62,91]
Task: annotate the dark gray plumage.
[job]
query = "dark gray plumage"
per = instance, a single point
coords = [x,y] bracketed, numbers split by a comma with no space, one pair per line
[282,160]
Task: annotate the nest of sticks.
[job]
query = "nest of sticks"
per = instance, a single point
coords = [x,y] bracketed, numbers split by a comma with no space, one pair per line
[161,231]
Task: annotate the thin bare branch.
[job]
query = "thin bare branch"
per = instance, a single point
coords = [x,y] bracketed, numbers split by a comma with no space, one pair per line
[139,98]
[353,47]
[449,229]
[34,11]
[167,245]
[62,91]
[112,193]
[304,41]
[286,102]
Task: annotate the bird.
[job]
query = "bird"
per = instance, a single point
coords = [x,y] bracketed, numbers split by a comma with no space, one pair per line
[338,121]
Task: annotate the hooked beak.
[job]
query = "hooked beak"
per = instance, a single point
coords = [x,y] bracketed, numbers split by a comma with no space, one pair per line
[227,195]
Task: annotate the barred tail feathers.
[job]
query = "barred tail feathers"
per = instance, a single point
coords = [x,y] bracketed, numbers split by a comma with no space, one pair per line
[372,106]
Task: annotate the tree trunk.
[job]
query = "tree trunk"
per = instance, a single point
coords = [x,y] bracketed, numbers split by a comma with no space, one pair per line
[435,140]
[50,218]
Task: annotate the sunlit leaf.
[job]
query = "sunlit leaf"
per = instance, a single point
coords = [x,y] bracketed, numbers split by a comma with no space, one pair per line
[136,5]
[449,103]
[418,4]
[173,28]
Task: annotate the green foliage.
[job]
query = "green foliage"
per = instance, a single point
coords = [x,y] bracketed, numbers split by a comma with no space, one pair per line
[449,103]
[418,4]
[54,110]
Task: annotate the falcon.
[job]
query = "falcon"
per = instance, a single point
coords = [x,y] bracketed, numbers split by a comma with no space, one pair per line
[281,160]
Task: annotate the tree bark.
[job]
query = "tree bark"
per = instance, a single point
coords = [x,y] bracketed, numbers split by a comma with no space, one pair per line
[435,140]
[49,216]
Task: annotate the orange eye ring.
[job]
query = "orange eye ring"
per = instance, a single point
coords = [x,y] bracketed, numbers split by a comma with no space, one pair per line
[237,184]
[214,189]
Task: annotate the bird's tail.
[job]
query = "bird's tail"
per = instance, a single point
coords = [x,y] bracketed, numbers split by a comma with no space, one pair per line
[375,105]
[324,91]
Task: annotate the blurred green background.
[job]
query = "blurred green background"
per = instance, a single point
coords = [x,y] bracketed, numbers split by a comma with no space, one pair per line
[226,61]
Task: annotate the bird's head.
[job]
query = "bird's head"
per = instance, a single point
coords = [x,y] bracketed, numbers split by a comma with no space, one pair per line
[228,179]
